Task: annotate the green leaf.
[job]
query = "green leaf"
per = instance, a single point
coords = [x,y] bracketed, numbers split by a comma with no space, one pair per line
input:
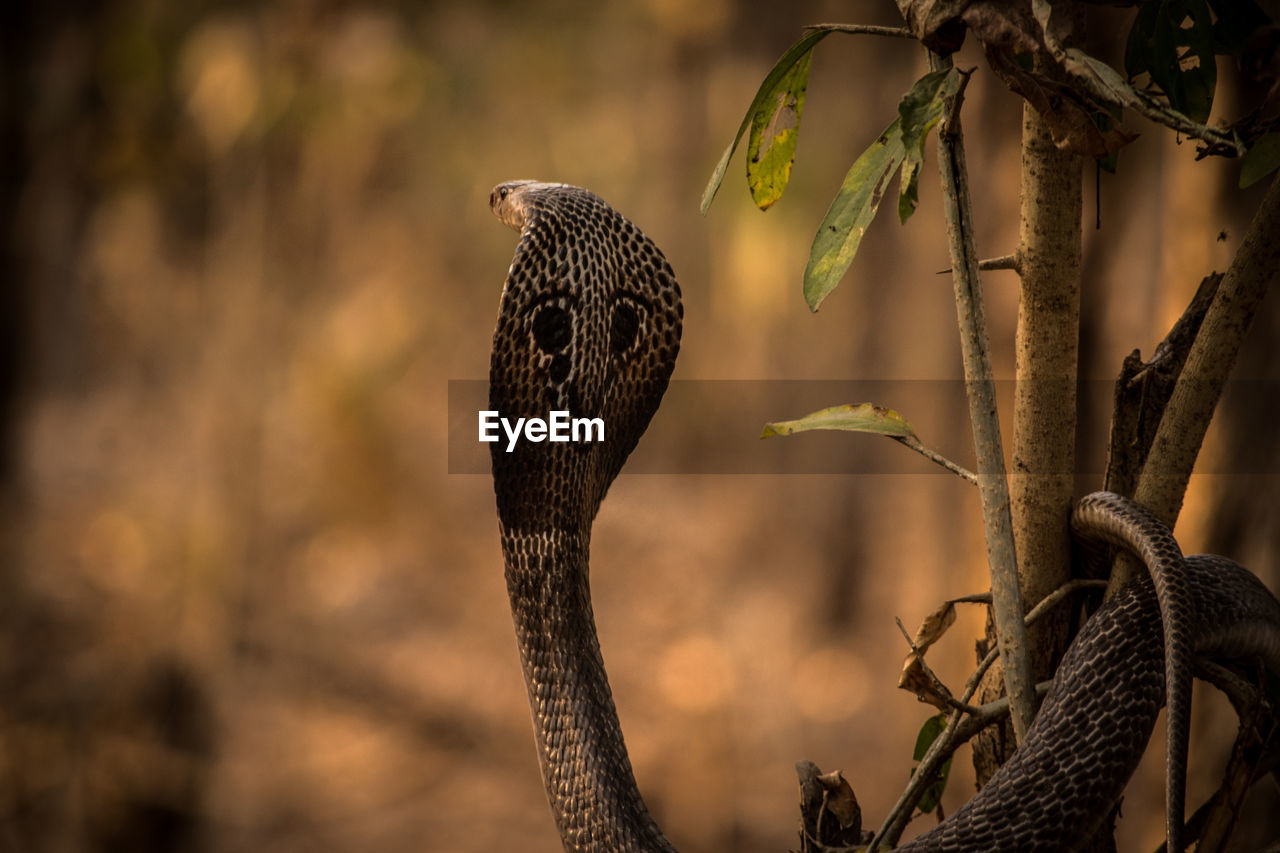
[909,189]
[1174,42]
[1260,160]
[860,417]
[929,732]
[1137,49]
[771,146]
[919,110]
[855,205]
[1197,82]
[768,96]
[850,213]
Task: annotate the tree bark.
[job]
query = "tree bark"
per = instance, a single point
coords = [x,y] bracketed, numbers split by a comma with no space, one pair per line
[1048,262]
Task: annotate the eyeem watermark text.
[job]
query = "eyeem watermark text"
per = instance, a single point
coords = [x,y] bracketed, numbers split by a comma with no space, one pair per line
[557,427]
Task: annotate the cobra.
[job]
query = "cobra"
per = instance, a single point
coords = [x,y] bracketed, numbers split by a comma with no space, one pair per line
[589,322]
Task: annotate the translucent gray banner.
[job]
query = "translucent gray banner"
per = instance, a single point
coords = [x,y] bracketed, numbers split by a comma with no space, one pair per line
[714,426]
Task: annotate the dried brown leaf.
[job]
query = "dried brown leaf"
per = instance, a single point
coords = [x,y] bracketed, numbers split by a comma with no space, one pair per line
[1067,111]
[840,800]
[829,810]
[1009,31]
[934,626]
[917,678]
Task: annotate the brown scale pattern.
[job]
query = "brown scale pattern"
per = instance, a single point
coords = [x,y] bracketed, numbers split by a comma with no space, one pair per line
[1057,788]
[590,321]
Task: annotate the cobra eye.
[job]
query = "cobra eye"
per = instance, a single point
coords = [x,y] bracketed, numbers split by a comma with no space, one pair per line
[552,329]
[624,327]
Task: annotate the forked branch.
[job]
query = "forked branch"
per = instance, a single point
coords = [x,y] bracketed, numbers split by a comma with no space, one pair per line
[960,728]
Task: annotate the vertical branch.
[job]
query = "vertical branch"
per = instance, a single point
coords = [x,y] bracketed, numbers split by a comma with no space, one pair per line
[1044,417]
[1186,419]
[980,389]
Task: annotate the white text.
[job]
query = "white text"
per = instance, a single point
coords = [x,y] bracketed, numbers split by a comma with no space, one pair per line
[557,427]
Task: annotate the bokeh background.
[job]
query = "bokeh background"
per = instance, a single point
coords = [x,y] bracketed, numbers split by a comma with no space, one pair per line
[244,604]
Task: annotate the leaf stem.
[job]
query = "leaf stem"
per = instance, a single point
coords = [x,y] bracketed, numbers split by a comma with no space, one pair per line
[935,457]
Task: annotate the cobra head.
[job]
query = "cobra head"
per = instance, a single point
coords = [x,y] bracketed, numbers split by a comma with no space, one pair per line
[589,324]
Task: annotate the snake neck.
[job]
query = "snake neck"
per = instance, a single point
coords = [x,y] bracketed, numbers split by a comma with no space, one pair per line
[585,769]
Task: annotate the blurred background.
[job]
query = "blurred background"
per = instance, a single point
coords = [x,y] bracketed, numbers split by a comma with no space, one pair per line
[244,604]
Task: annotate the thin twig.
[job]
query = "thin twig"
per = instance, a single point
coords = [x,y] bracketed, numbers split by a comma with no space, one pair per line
[1239,691]
[935,457]
[1219,141]
[1107,86]
[863,29]
[910,642]
[980,389]
[1060,593]
[984,715]
[898,817]
[1004,262]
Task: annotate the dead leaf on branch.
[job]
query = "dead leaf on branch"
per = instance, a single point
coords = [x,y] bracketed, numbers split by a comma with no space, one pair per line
[1020,55]
[829,811]
[1070,115]
[916,675]
[934,626]
[941,24]
[917,678]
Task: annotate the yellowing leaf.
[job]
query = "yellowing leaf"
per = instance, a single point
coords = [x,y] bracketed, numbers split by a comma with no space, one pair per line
[766,103]
[862,417]
[771,147]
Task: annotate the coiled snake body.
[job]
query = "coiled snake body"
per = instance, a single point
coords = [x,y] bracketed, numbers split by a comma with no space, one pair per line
[589,323]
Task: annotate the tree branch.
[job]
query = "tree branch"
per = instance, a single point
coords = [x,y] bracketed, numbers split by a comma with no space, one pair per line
[1044,416]
[1004,262]
[980,389]
[1186,419]
[863,29]
[1143,390]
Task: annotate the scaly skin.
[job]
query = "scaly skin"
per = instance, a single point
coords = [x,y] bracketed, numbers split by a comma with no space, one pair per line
[590,322]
